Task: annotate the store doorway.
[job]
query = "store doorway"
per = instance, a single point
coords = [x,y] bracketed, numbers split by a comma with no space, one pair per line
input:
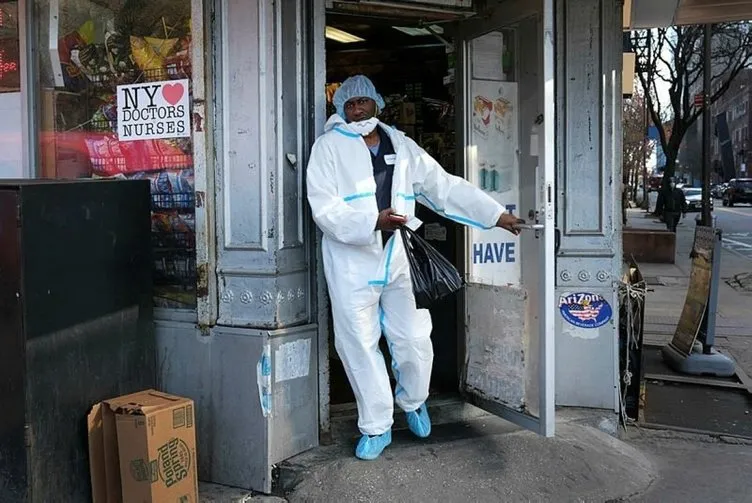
[411,68]
[454,82]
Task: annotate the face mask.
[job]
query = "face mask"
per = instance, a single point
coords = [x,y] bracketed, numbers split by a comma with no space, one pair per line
[363,128]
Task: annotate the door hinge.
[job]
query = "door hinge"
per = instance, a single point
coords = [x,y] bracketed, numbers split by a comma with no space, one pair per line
[18,215]
[27,435]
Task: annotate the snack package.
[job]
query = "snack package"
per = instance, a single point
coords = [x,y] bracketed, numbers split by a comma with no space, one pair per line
[162,46]
[148,60]
[173,223]
[118,51]
[178,64]
[105,154]
[171,189]
[86,31]
[73,78]
[104,119]
[155,155]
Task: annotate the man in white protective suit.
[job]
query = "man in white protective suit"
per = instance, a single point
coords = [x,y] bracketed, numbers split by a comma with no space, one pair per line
[364,179]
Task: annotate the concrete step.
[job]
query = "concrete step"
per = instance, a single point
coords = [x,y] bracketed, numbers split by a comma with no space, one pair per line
[443,409]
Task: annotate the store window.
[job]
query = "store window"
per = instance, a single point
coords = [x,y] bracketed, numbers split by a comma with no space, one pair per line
[113,94]
[10,93]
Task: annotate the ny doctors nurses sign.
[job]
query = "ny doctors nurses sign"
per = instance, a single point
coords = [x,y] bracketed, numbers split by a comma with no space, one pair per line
[153,110]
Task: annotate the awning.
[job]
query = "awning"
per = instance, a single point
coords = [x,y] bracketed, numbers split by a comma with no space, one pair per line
[658,13]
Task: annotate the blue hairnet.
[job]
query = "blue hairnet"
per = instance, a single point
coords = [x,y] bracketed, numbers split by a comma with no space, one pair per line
[357,86]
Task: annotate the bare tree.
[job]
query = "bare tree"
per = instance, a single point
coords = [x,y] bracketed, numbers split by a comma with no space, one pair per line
[673,57]
[636,146]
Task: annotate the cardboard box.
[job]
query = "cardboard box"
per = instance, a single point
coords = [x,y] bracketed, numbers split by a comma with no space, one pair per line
[406,114]
[142,448]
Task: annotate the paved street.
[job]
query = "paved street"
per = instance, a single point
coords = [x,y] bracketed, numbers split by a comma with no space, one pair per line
[736,223]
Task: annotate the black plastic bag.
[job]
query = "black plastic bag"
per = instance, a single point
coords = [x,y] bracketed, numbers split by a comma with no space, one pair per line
[433,276]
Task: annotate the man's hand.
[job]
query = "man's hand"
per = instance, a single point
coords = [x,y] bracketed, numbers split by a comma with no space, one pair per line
[389,220]
[509,222]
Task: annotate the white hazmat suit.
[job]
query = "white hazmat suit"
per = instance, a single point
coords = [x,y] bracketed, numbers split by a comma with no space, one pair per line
[369,281]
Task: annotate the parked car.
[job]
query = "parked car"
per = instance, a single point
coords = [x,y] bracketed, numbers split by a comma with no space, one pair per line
[716,191]
[739,190]
[693,196]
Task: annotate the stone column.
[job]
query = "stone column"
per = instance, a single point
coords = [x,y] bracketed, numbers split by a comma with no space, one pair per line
[589,136]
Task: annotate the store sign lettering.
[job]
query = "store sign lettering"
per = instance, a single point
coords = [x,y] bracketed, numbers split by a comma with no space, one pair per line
[154,110]
[494,253]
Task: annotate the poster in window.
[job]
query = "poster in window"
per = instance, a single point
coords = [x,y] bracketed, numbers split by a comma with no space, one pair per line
[153,110]
[495,253]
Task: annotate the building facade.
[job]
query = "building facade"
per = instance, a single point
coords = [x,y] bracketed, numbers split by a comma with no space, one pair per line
[217,103]
[734,105]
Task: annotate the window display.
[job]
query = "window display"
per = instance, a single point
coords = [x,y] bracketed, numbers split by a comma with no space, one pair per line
[96,56]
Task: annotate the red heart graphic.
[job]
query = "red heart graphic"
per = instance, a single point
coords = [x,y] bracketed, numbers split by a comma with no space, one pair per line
[172,93]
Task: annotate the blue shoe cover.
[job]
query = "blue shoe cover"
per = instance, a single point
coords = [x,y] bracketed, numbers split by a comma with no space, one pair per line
[371,447]
[419,422]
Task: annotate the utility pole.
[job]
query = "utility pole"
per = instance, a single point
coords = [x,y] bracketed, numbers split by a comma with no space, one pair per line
[645,140]
[707,69]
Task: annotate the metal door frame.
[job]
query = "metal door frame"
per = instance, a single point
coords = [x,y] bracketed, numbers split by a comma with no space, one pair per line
[29,98]
[317,77]
[507,14]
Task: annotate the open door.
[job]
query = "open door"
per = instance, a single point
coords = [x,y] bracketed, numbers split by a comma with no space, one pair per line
[506,84]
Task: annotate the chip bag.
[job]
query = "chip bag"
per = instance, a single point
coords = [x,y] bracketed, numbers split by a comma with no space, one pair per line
[148,59]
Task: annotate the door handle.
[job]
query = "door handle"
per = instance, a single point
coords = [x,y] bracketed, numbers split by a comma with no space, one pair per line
[532,227]
[557,240]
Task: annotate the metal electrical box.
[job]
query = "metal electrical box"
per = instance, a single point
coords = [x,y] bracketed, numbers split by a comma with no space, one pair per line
[256,395]
[75,324]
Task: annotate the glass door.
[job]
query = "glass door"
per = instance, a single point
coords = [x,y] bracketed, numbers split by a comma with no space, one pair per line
[507,93]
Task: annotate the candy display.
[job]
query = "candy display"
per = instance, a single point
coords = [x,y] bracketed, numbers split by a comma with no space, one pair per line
[169,182]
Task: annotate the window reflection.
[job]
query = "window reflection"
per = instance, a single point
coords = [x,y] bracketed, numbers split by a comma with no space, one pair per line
[10,93]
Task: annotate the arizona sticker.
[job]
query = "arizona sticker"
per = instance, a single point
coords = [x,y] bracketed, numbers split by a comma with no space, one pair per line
[585,310]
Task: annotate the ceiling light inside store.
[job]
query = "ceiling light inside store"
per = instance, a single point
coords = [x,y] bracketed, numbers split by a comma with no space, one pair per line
[420,32]
[341,36]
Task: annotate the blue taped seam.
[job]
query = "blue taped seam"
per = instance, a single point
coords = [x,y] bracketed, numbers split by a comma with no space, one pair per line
[358,196]
[456,218]
[389,251]
[346,133]
[406,197]
[398,390]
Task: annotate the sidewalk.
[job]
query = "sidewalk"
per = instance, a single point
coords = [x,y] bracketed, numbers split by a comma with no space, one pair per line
[490,460]
[483,460]
[668,284]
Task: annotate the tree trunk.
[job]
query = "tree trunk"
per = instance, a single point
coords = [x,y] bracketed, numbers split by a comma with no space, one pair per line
[668,174]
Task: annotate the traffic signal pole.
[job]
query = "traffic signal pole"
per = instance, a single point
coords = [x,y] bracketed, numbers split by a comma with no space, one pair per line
[707,69]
